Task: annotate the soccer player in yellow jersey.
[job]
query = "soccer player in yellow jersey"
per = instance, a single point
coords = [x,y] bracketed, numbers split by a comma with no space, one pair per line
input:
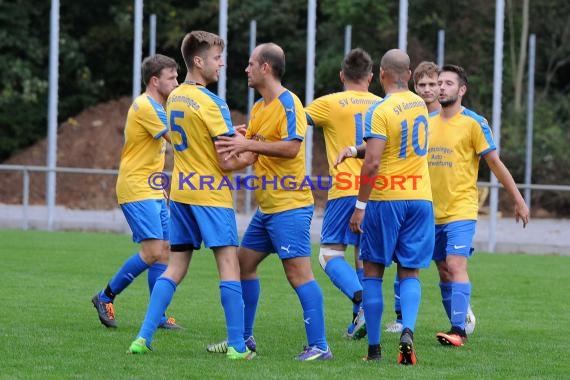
[458,138]
[199,212]
[282,222]
[341,115]
[425,85]
[144,208]
[396,193]
[425,78]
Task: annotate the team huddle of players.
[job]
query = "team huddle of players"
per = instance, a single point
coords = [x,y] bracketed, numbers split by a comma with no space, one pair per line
[427,137]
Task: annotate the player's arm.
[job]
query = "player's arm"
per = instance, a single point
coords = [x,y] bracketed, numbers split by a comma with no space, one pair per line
[351,151]
[318,112]
[153,120]
[374,150]
[235,146]
[229,162]
[506,179]
[282,149]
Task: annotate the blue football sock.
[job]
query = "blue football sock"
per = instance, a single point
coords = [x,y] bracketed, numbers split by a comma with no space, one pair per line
[160,298]
[445,288]
[397,306]
[373,304]
[343,276]
[232,302]
[312,303]
[460,294]
[154,273]
[250,293]
[123,278]
[410,298]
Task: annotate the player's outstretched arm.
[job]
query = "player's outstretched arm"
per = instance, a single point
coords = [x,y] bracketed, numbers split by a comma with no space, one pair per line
[506,179]
[235,146]
[350,151]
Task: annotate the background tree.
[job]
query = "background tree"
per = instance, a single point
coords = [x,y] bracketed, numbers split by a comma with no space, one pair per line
[96,40]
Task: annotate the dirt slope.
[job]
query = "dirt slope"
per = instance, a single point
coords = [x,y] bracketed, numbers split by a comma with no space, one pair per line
[93,139]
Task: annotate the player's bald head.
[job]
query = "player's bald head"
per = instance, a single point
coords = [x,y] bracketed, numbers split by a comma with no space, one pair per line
[270,48]
[273,55]
[395,62]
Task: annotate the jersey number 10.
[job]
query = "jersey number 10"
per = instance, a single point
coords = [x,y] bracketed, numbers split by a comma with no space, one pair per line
[418,123]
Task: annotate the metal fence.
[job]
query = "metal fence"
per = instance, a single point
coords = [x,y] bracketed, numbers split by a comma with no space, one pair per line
[241,204]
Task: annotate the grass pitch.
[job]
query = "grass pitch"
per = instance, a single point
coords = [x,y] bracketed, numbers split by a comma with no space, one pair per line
[50,330]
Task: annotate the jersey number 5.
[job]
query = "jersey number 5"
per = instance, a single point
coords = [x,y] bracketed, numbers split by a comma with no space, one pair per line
[177,128]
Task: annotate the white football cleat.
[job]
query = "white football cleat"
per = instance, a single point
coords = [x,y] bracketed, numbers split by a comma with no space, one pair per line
[394,327]
[470,321]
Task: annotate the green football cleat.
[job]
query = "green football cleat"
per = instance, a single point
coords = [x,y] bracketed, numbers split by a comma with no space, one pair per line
[232,354]
[139,347]
[222,347]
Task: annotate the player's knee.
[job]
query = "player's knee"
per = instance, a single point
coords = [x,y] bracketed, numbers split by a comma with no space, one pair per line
[153,251]
[456,265]
[149,256]
[326,254]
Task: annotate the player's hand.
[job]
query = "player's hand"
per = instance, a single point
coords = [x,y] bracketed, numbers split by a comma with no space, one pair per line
[231,146]
[344,154]
[249,157]
[522,212]
[356,221]
[241,129]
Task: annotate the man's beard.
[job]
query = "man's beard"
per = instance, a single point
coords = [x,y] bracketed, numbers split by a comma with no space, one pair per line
[448,102]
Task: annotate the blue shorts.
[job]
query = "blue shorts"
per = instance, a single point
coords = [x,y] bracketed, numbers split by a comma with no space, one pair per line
[148,219]
[399,231]
[454,238]
[191,224]
[287,232]
[336,229]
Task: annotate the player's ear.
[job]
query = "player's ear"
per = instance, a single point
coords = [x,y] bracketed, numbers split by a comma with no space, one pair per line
[197,61]
[462,90]
[341,76]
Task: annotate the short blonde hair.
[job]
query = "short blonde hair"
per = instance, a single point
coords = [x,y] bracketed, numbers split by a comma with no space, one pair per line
[197,43]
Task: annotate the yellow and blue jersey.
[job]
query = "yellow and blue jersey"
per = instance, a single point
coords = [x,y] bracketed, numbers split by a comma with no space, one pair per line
[279,180]
[341,115]
[455,148]
[196,116]
[143,150]
[402,120]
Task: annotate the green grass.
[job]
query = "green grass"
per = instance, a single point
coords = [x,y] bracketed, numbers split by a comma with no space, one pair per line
[49,329]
